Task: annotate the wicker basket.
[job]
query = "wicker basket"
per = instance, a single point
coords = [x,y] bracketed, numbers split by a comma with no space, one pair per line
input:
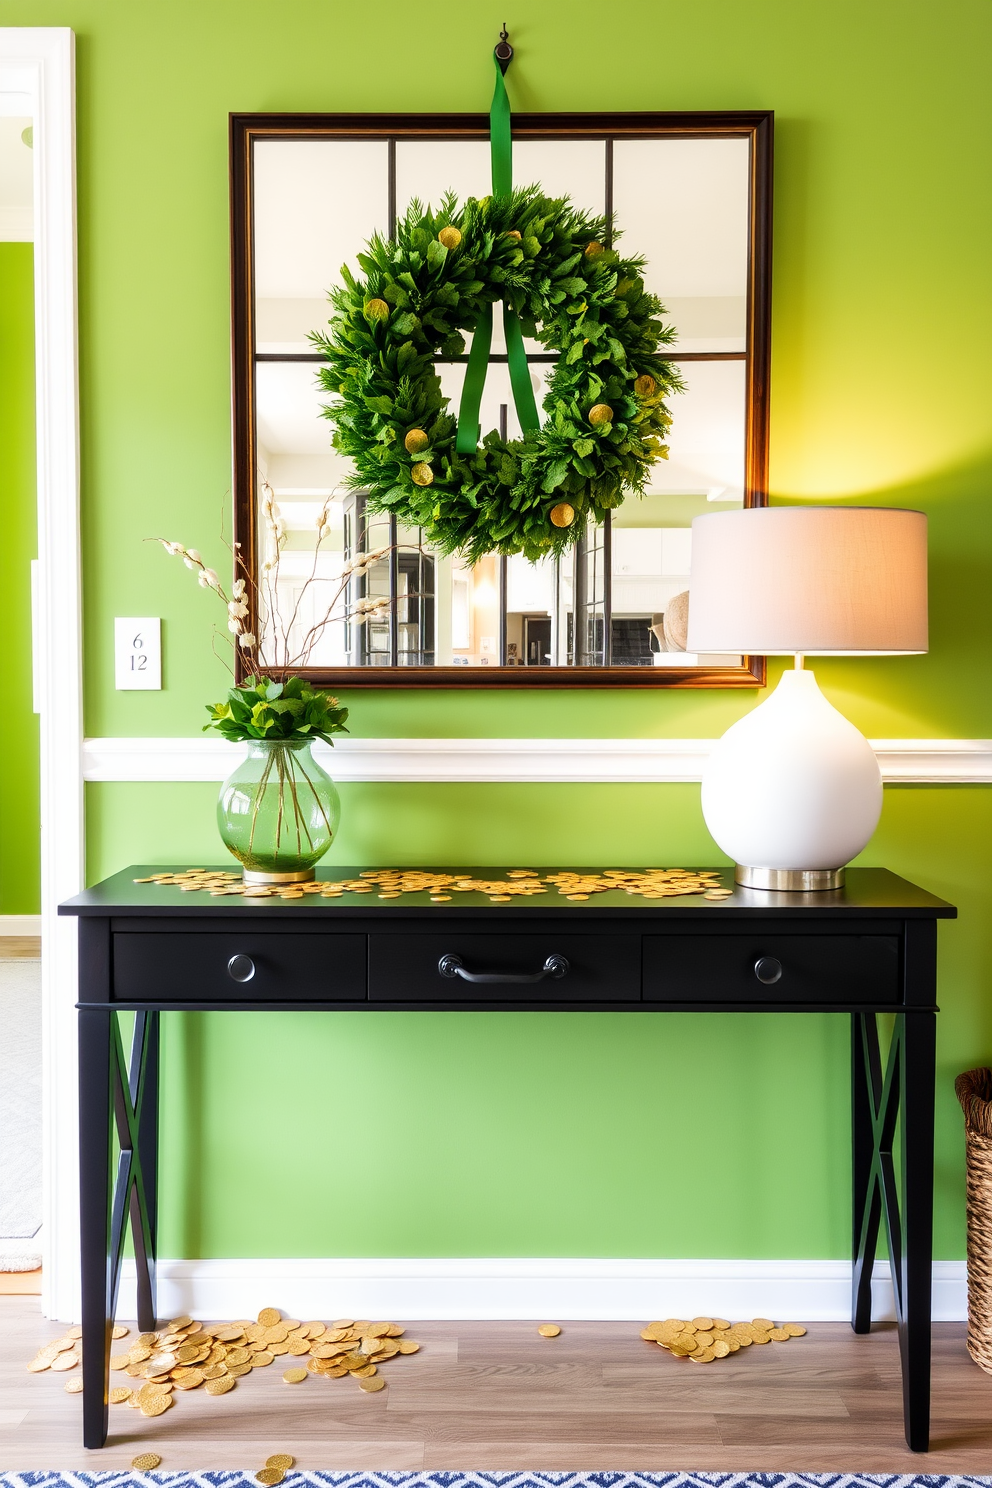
[974,1091]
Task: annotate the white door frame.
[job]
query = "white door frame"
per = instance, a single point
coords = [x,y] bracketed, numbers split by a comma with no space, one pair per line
[39,61]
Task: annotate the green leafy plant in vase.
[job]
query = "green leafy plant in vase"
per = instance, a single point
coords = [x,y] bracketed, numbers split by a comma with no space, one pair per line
[278,811]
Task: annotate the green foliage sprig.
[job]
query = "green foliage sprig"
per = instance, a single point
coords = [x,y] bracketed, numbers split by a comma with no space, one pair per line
[605,409]
[280,712]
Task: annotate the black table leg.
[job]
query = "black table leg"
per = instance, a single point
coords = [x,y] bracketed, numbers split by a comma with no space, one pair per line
[866,1204]
[127,1092]
[906,1088]
[919,1042]
[95,1116]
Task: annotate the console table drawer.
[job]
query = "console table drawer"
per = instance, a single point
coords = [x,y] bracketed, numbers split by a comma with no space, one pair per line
[234,965]
[771,968]
[513,968]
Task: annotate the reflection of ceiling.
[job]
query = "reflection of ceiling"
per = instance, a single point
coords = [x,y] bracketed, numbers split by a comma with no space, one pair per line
[16,191]
[683,204]
[317,202]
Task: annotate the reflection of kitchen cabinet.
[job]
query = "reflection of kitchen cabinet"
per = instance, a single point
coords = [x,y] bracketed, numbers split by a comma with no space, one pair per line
[405,576]
[650,565]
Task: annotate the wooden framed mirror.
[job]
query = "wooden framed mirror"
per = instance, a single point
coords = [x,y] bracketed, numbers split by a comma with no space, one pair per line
[690,191]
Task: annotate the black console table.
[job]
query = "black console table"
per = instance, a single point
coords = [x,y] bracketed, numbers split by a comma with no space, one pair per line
[865,949]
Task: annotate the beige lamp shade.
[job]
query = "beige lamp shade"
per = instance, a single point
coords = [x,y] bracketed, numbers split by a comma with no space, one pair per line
[821,580]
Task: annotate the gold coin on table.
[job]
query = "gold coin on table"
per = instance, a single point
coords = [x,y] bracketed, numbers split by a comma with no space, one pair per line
[682,1346]
[187,1353]
[704,1338]
[261,1359]
[295,1376]
[779,1335]
[765,1324]
[145,1461]
[119,1331]
[65,1361]
[721,1323]
[407,1346]
[214,1371]
[734,1345]
[704,1356]
[281,1461]
[440,898]
[371,1384]
[549,1330]
[179,1322]
[721,1348]
[119,1361]
[704,1323]
[576,896]
[744,1340]
[758,1337]
[118,1395]
[74,1386]
[270,1476]
[364,1371]
[155,1405]
[237,1370]
[794,1330]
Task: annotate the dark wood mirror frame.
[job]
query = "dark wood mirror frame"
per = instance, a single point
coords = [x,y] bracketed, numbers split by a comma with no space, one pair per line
[754,126]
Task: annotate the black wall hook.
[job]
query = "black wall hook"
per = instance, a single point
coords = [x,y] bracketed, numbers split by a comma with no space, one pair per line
[503,51]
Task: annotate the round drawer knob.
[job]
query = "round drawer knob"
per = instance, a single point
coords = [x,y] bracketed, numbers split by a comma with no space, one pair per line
[768,970]
[241,968]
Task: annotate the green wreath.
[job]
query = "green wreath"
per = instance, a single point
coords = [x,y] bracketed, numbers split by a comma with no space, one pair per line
[605,409]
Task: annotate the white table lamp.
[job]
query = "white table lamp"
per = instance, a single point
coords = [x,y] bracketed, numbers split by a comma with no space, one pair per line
[793,791]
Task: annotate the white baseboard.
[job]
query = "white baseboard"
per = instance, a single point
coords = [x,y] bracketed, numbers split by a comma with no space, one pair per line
[621,761]
[530,1289]
[20,924]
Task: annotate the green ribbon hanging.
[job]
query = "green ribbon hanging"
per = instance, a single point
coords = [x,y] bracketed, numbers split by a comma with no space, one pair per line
[467,438]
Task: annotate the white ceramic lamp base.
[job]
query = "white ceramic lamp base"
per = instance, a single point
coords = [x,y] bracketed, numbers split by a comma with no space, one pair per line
[793,791]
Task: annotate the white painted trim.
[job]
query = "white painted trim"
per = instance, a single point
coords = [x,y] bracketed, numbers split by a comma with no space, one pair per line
[523,1288]
[40,61]
[20,925]
[628,761]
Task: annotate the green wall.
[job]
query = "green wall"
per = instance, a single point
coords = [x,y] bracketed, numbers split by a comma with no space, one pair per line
[585,1134]
[19,837]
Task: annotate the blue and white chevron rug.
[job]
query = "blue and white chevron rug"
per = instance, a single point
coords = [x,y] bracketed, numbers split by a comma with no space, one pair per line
[128,1478]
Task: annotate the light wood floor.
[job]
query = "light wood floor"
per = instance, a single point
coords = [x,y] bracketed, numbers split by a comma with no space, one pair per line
[495,1395]
[20,947]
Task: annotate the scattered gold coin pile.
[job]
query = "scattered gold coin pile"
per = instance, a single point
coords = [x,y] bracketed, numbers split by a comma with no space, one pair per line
[391,883]
[185,1355]
[275,1469]
[704,1338]
[63,1354]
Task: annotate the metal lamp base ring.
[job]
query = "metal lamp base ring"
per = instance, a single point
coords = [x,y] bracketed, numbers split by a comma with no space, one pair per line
[789,880]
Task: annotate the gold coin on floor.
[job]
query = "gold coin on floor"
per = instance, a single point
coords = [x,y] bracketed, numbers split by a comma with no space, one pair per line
[372,1383]
[779,1335]
[65,1361]
[119,1332]
[407,1346]
[295,1376]
[765,1324]
[145,1461]
[269,1476]
[220,1386]
[549,1330]
[794,1330]
[281,1461]
[269,1317]
[155,1405]
[74,1386]
[118,1395]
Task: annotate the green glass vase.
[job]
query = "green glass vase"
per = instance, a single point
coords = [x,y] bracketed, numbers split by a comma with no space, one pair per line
[278,812]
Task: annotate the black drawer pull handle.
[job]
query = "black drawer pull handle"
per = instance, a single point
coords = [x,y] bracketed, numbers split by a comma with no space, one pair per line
[453,966]
[768,970]
[241,968]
